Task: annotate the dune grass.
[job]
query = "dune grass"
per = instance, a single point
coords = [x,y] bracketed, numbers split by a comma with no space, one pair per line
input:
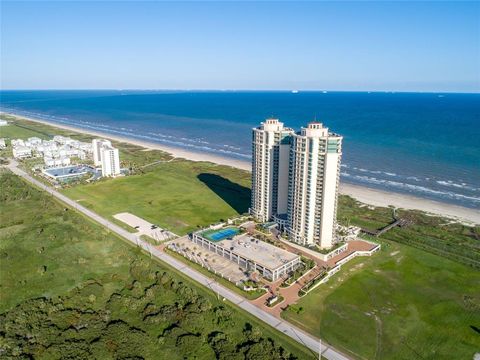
[437,235]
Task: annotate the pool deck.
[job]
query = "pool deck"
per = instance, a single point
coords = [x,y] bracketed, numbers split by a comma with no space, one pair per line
[209,234]
[64,172]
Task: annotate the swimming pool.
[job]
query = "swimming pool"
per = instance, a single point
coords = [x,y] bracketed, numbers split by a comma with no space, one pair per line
[220,235]
[68,172]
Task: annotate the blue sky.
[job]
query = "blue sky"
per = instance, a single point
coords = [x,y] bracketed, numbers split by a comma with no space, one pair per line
[402,46]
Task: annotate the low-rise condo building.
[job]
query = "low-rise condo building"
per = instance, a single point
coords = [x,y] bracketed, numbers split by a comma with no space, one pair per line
[21,152]
[249,253]
[58,147]
[53,162]
[33,141]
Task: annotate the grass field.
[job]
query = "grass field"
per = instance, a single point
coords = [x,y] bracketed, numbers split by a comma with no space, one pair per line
[403,303]
[69,289]
[23,129]
[17,132]
[179,196]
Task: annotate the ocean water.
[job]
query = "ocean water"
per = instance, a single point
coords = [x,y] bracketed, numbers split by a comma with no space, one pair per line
[423,144]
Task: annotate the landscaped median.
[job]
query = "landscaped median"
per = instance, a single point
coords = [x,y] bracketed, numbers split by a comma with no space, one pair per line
[308,265]
[274,301]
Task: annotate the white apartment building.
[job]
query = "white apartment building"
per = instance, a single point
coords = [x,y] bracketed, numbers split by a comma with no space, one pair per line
[97,145]
[60,139]
[295,180]
[270,154]
[53,162]
[17,142]
[110,161]
[21,152]
[315,156]
[33,141]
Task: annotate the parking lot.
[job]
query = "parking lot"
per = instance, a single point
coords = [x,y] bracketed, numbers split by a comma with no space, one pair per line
[208,259]
[143,227]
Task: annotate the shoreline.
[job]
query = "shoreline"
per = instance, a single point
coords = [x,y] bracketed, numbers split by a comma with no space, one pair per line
[366,195]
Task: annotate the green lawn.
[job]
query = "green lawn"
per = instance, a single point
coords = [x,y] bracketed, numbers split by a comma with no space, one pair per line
[171,195]
[16,132]
[70,289]
[403,303]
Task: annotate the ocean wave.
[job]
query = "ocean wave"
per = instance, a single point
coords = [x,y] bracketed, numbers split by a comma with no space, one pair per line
[376,172]
[463,185]
[411,187]
[443,182]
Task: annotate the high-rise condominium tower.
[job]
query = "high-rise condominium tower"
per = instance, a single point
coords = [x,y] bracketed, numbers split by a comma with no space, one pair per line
[270,154]
[110,161]
[295,180]
[97,145]
[315,156]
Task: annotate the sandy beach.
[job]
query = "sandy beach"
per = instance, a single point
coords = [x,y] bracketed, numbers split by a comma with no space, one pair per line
[363,194]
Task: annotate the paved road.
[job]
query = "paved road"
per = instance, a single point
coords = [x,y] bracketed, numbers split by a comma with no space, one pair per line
[298,335]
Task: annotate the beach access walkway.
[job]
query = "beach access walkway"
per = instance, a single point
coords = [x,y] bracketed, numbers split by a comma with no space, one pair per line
[314,344]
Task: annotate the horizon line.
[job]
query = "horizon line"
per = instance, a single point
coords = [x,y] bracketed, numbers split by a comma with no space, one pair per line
[250,90]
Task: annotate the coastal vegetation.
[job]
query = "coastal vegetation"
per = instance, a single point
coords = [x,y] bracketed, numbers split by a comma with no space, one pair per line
[417,298]
[449,239]
[70,289]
